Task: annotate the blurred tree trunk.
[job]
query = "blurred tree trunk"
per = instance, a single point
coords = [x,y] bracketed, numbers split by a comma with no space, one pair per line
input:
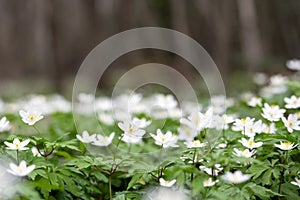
[43,49]
[223,18]
[250,36]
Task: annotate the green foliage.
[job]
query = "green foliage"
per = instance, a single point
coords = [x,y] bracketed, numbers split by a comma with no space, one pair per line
[70,169]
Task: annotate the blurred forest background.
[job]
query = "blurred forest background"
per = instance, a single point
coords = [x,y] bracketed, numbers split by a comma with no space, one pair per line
[45,41]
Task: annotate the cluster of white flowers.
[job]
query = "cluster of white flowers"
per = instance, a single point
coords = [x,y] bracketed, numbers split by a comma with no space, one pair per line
[22,169]
[28,117]
[96,139]
[195,121]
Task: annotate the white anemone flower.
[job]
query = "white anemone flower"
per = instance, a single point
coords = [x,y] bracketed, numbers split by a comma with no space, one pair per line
[244,153]
[106,118]
[17,144]
[260,78]
[255,101]
[130,128]
[252,129]
[21,170]
[165,140]
[131,139]
[236,177]
[86,138]
[272,113]
[4,125]
[35,152]
[222,122]
[186,133]
[209,182]
[293,64]
[296,182]
[141,123]
[194,144]
[285,145]
[292,102]
[166,101]
[270,129]
[212,171]
[103,141]
[30,117]
[240,124]
[198,120]
[250,144]
[291,123]
[166,183]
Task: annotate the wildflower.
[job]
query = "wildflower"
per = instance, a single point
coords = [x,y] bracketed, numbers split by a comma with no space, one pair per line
[86,98]
[130,128]
[241,124]
[186,133]
[103,141]
[30,117]
[250,144]
[291,123]
[106,118]
[131,139]
[271,129]
[222,122]
[212,171]
[272,113]
[292,102]
[165,140]
[209,182]
[278,80]
[296,182]
[285,145]
[245,153]
[255,101]
[194,144]
[222,146]
[21,170]
[17,144]
[236,177]
[165,183]
[35,152]
[293,64]
[198,120]
[251,129]
[277,86]
[141,123]
[260,78]
[4,125]
[86,138]
[166,101]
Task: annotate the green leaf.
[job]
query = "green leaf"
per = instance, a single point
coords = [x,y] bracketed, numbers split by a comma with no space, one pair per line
[260,191]
[267,177]
[120,197]
[257,170]
[133,180]
[290,191]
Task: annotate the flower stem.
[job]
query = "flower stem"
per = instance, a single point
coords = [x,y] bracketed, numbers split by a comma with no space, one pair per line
[110,189]
[115,153]
[36,129]
[159,169]
[18,157]
[194,156]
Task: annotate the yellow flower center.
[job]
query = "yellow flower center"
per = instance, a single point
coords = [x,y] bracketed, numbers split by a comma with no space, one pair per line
[131,129]
[286,144]
[244,121]
[251,143]
[32,117]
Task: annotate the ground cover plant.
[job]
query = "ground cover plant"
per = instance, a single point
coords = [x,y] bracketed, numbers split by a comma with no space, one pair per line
[244,147]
